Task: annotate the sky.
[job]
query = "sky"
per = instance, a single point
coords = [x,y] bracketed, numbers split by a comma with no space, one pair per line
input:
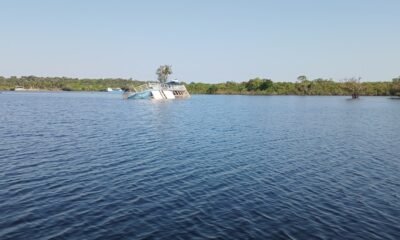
[204,41]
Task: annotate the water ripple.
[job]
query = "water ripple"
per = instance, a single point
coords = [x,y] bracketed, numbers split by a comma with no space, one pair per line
[91,166]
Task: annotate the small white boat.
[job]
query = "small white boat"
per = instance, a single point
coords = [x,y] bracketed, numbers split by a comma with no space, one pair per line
[19,88]
[114,90]
[169,90]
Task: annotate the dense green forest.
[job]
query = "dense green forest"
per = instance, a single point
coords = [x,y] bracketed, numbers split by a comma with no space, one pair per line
[303,86]
[256,86]
[65,84]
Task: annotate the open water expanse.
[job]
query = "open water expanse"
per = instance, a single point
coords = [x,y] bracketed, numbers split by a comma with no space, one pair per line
[94,166]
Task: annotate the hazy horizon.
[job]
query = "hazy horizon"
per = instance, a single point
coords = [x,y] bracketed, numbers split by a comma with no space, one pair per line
[203,41]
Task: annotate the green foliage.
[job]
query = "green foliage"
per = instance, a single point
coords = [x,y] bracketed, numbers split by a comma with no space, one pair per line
[395,88]
[163,72]
[212,89]
[258,84]
[65,84]
[301,78]
[319,86]
[255,86]
[198,87]
[266,83]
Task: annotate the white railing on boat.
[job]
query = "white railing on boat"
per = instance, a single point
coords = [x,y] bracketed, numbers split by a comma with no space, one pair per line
[159,86]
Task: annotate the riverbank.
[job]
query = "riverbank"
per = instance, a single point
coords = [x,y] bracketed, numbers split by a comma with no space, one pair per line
[257,86]
[305,88]
[65,84]
[221,94]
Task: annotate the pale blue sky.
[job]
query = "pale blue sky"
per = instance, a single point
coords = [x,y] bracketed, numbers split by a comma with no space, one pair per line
[207,41]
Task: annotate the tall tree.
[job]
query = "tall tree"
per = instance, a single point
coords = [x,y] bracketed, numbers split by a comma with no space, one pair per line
[301,78]
[303,85]
[266,83]
[163,72]
[254,84]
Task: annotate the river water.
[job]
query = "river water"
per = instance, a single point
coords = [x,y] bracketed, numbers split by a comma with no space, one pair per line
[94,166]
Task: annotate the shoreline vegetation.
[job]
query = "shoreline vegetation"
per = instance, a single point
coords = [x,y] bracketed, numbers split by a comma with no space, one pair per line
[256,86]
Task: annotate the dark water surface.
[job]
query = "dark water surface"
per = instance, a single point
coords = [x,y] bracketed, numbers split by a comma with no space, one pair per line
[94,166]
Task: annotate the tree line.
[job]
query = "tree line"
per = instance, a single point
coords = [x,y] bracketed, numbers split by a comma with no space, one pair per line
[303,86]
[255,86]
[65,84]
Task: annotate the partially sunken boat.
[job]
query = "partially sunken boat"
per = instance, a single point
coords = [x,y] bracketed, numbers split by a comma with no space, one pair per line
[156,90]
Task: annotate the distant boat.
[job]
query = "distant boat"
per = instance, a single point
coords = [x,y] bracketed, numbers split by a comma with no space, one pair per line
[158,91]
[18,88]
[22,89]
[114,90]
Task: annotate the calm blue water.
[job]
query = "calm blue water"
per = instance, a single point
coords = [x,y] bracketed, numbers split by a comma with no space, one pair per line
[94,166]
